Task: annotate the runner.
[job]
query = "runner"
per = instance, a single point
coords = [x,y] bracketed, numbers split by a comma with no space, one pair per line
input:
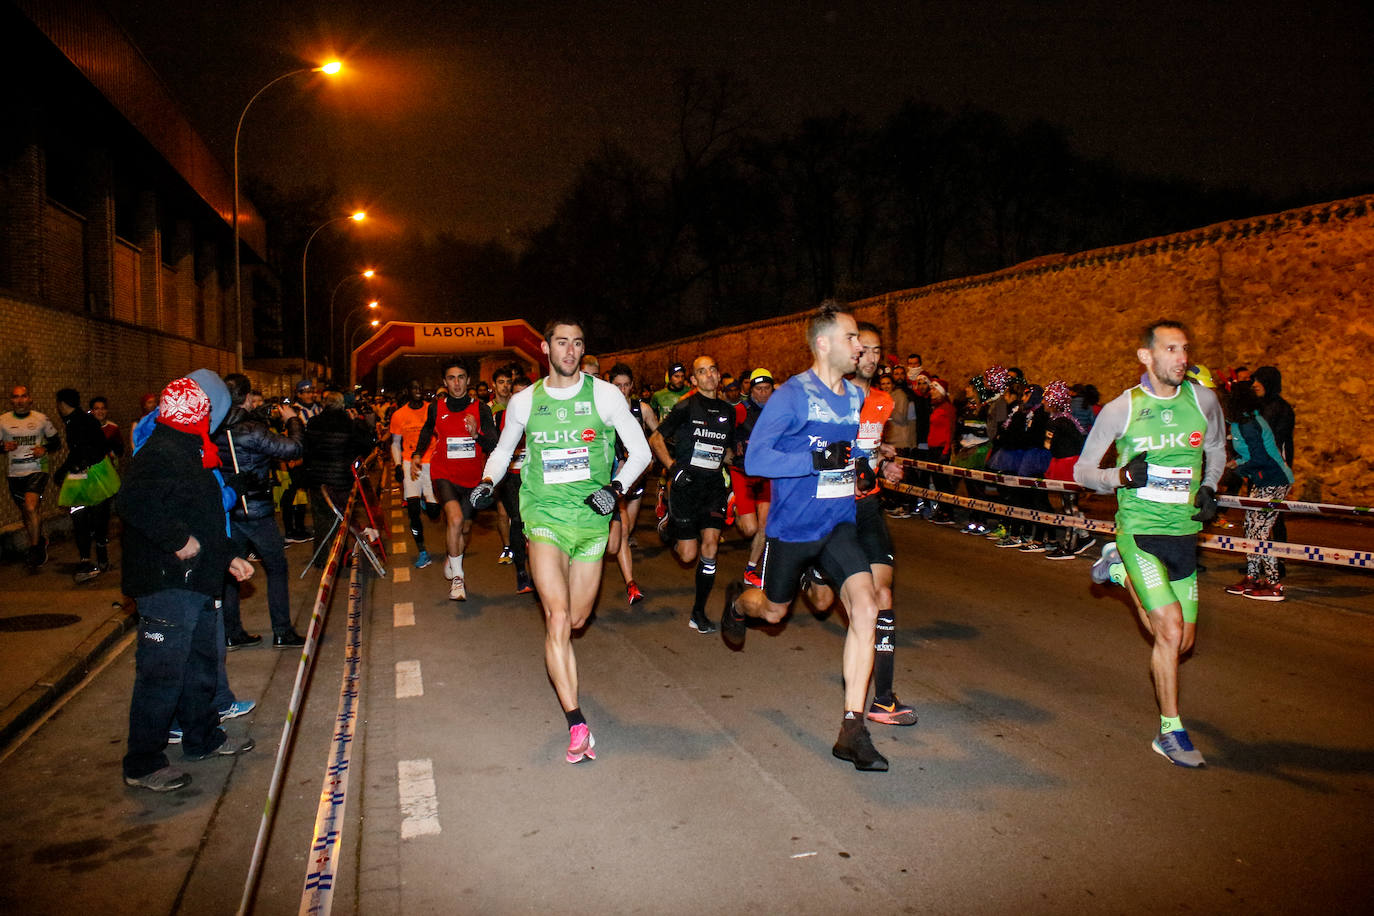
[802,441]
[566,497]
[622,540]
[28,437]
[463,432]
[665,397]
[500,397]
[1171,451]
[751,494]
[885,709]
[404,426]
[702,430]
[508,502]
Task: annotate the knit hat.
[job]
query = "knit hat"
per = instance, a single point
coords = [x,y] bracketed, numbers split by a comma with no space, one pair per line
[196,404]
[1057,396]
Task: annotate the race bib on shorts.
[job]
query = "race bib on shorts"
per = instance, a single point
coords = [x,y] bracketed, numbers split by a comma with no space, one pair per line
[1166,485]
[706,455]
[567,465]
[460,447]
[836,484]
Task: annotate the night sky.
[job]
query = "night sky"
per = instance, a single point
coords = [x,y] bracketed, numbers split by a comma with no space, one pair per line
[472,118]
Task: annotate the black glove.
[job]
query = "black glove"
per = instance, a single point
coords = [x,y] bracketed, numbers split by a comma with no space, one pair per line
[604,500]
[867,477]
[1134,472]
[835,457]
[683,477]
[1206,502]
[481,496]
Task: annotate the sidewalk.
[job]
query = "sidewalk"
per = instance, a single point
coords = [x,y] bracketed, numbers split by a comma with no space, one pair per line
[53,632]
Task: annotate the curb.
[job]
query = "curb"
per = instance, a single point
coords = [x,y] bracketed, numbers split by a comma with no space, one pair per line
[63,676]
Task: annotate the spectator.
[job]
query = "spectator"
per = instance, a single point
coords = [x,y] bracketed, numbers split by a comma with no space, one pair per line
[88,481]
[252,449]
[293,497]
[114,439]
[333,441]
[1267,382]
[900,432]
[176,552]
[944,427]
[1260,462]
[1065,434]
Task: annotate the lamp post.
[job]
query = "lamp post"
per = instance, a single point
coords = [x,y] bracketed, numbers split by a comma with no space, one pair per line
[370,307]
[357,217]
[375,322]
[330,68]
[365,275]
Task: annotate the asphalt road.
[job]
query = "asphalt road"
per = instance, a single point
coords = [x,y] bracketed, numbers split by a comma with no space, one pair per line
[1028,786]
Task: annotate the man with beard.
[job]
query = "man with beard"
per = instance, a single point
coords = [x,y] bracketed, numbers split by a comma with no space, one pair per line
[701,429]
[1170,442]
[802,441]
[463,433]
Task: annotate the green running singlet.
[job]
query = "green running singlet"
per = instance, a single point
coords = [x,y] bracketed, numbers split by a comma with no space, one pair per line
[570,452]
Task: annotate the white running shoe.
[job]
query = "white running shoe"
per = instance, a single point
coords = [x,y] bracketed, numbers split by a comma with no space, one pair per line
[457,591]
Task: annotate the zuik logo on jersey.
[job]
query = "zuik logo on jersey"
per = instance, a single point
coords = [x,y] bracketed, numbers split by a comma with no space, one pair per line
[563,436]
[1167,440]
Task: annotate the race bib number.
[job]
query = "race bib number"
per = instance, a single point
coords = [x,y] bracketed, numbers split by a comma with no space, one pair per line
[870,434]
[1166,485]
[460,447]
[836,484]
[517,461]
[706,455]
[567,465]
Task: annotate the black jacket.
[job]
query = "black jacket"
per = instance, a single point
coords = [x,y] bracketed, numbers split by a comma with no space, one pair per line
[1277,412]
[333,441]
[256,447]
[167,497]
[86,443]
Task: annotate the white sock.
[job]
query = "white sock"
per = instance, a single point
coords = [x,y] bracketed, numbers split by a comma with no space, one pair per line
[453,566]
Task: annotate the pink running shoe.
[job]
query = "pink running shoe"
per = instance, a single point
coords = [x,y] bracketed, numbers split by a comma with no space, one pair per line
[580,744]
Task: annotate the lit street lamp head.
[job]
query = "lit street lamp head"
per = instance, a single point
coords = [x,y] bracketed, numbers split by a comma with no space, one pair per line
[358,217]
[331,68]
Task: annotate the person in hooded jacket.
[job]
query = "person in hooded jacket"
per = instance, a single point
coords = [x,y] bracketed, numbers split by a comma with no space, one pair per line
[176,553]
[1267,384]
[250,448]
[1260,462]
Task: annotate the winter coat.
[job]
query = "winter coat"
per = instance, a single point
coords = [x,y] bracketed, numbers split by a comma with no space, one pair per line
[256,447]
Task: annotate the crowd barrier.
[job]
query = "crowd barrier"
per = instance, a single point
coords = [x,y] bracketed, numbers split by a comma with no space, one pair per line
[318,894]
[1336,556]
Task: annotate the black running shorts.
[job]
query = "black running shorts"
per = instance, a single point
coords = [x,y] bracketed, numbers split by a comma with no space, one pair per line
[837,555]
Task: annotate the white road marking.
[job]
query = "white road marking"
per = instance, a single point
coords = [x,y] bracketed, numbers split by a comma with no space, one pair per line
[403,614]
[398,547]
[419,798]
[398,529]
[408,681]
[397,513]
[400,574]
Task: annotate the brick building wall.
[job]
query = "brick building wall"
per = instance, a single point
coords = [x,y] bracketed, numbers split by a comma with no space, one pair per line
[1292,289]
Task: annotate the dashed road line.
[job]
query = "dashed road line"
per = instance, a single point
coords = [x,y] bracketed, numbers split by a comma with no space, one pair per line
[419,798]
[400,574]
[403,614]
[398,547]
[408,680]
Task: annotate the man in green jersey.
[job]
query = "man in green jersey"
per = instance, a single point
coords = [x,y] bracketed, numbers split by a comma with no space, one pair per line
[1170,442]
[570,422]
[664,398]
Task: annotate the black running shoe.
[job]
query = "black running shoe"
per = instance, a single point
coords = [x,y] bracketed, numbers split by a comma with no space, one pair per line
[733,626]
[856,746]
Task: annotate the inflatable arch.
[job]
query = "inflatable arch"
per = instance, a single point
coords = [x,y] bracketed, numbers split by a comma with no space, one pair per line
[496,341]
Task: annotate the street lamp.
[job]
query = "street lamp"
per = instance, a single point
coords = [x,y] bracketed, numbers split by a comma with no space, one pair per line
[375,322]
[357,217]
[369,308]
[331,69]
[365,275]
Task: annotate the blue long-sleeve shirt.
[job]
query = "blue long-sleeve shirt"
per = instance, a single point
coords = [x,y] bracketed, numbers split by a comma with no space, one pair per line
[804,416]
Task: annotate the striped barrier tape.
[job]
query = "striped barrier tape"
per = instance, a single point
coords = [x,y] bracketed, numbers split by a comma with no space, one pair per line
[323,598]
[1335,556]
[1064,486]
[317,898]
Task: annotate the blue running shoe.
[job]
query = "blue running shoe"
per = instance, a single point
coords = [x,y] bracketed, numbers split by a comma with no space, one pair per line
[236,709]
[1178,749]
[422,559]
[1102,568]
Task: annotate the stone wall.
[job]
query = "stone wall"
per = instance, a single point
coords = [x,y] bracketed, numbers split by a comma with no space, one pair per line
[1292,289]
